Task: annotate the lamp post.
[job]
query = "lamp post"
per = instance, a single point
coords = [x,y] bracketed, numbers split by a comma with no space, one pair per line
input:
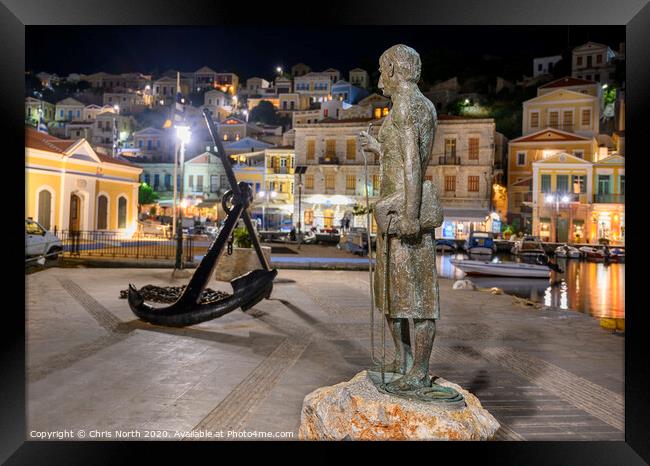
[266,196]
[300,170]
[183,134]
[556,199]
[115,131]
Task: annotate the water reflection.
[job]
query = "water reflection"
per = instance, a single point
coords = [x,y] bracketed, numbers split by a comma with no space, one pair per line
[594,288]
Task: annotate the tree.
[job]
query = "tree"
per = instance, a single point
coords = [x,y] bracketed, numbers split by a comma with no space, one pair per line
[146,195]
[266,113]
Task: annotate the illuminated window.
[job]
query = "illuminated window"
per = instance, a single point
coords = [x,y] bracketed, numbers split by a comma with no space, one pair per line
[553,119]
[450,147]
[567,120]
[329,181]
[534,119]
[375,184]
[350,182]
[578,184]
[473,148]
[385,111]
[309,182]
[585,119]
[378,112]
[546,183]
[521,158]
[472,184]
[350,149]
[450,183]
[225,137]
[309,217]
[311,150]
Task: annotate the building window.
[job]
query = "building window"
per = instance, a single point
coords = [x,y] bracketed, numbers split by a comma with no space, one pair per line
[309,217]
[579,153]
[567,120]
[377,112]
[375,185]
[579,185]
[579,61]
[585,120]
[330,148]
[562,183]
[199,183]
[473,148]
[597,77]
[603,184]
[472,184]
[214,183]
[329,181]
[450,183]
[147,178]
[534,119]
[168,182]
[429,178]
[350,182]
[156,181]
[553,119]
[385,111]
[546,183]
[350,149]
[190,181]
[309,182]
[450,147]
[311,150]
[121,213]
[521,159]
[102,212]
[45,208]
[599,58]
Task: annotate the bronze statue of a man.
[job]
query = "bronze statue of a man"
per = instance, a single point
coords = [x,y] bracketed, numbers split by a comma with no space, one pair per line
[404,146]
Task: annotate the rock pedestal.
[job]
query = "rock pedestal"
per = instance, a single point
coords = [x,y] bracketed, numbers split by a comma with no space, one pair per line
[357,410]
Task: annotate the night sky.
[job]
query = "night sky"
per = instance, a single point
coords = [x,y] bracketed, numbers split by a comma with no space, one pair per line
[257,51]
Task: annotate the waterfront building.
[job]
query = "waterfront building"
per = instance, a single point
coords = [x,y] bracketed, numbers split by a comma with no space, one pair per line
[372,106]
[128,102]
[593,61]
[577,200]
[34,108]
[204,78]
[253,85]
[154,145]
[316,86]
[91,111]
[70,186]
[358,77]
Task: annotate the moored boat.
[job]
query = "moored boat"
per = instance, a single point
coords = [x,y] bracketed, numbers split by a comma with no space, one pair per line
[446,245]
[567,251]
[502,269]
[528,246]
[480,243]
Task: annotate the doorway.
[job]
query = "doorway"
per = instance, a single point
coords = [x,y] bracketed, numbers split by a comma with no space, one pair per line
[562,230]
[75,212]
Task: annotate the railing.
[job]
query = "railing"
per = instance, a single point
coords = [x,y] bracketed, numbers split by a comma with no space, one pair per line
[281,170]
[566,127]
[328,160]
[449,160]
[609,198]
[112,244]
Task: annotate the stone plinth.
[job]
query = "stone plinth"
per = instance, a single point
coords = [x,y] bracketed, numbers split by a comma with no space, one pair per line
[241,261]
[359,411]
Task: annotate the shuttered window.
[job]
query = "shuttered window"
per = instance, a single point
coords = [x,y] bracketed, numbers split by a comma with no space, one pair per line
[473,148]
[450,183]
[472,184]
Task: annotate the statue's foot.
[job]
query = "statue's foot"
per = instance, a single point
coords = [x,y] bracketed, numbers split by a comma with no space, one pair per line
[410,382]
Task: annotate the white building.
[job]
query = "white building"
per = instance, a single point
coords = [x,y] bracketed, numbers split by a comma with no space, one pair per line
[69,109]
[253,85]
[316,86]
[544,65]
[593,61]
[359,78]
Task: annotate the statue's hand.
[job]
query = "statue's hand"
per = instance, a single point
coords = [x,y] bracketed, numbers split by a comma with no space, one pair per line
[369,143]
[408,228]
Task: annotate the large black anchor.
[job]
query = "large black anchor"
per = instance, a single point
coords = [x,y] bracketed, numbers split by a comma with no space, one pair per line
[248,289]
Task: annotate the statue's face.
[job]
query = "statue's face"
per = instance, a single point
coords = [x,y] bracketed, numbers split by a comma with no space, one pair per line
[387,77]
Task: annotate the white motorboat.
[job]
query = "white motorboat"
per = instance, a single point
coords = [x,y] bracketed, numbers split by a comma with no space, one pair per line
[480,243]
[528,246]
[502,269]
[602,254]
[568,252]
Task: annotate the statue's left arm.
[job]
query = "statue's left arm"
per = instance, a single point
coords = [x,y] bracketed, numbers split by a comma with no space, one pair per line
[410,151]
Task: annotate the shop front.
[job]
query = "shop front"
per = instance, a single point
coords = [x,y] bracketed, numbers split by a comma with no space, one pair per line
[460,223]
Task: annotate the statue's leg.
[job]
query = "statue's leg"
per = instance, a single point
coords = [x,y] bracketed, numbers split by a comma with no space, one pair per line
[418,375]
[399,330]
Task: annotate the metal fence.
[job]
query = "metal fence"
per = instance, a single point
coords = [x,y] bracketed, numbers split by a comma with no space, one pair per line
[112,244]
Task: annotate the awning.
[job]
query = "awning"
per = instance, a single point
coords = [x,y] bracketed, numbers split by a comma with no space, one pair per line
[466,215]
[208,204]
[544,220]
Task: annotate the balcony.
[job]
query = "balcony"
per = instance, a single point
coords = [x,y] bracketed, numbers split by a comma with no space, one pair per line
[609,198]
[328,160]
[281,170]
[449,160]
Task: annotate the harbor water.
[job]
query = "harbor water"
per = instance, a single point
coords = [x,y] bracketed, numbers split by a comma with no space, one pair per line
[593,288]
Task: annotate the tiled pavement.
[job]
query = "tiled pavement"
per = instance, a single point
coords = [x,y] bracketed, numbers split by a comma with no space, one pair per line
[544,374]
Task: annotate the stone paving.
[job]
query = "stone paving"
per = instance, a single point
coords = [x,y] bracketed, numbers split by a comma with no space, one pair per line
[91,365]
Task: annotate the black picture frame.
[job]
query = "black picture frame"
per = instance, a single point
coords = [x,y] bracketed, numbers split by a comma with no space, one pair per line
[15,15]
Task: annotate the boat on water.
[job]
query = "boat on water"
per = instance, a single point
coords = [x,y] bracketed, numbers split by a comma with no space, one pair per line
[602,254]
[502,269]
[446,245]
[528,246]
[480,243]
[568,252]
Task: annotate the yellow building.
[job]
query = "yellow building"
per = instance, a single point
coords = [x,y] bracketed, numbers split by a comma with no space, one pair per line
[576,200]
[71,187]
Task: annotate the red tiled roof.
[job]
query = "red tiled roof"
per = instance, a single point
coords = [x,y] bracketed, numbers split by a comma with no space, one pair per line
[556,136]
[46,142]
[42,141]
[461,117]
[567,81]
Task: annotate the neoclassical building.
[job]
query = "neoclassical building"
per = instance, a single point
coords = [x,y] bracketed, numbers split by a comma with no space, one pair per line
[71,187]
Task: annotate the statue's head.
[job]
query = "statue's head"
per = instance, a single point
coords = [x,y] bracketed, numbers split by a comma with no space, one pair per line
[398,64]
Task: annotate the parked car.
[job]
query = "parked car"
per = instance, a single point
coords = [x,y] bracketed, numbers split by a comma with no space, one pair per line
[40,242]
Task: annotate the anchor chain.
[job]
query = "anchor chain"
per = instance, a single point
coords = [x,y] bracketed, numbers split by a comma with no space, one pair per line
[170,294]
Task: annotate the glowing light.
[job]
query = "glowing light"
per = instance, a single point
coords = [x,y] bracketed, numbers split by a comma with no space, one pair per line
[183,134]
[605,86]
[279,69]
[565,198]
[549,198]
[466,101]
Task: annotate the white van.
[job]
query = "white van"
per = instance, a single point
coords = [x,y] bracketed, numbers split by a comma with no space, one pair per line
[40,242]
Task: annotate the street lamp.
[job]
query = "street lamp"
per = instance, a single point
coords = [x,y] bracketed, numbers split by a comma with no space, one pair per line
[245,112]
[266,196]
[279,69]
[183,133]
